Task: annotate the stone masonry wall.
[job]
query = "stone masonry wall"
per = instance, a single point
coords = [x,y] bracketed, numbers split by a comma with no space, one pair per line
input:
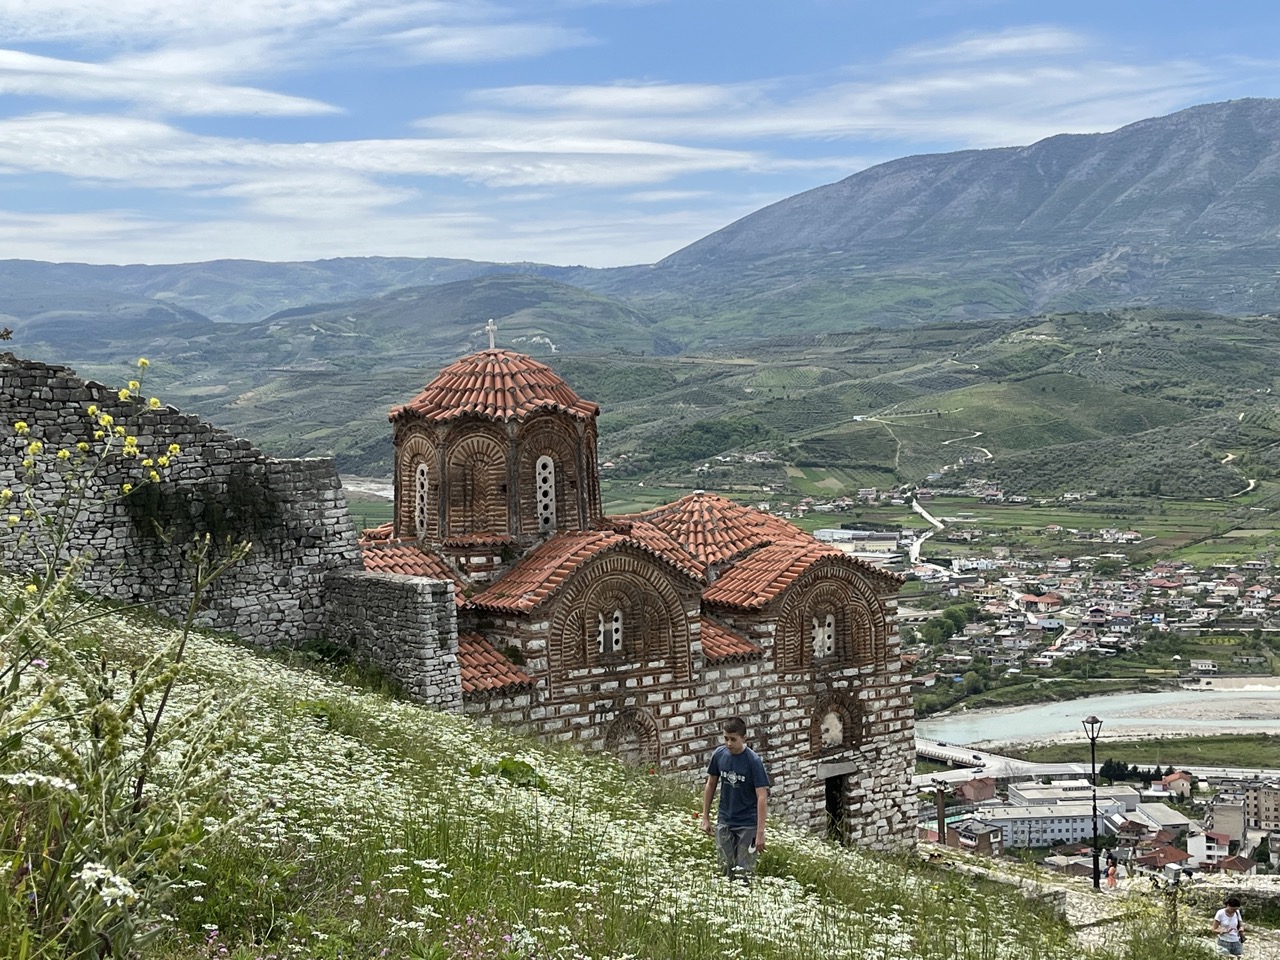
[291,511]
[405,626]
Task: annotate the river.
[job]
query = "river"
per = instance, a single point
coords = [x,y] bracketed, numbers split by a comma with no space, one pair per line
[1252,707]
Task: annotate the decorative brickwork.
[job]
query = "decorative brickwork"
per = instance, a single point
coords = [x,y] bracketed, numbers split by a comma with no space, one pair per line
[640,634]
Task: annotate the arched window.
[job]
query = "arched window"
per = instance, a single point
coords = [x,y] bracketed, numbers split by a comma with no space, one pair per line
[824,636]
[545,493]
[609,633]
[422,477]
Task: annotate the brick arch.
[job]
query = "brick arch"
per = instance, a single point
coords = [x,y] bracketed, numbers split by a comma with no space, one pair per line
[862,632]
[851,718]
[633,738]
[415,450]
[475,485]
[655,624]
[559,441]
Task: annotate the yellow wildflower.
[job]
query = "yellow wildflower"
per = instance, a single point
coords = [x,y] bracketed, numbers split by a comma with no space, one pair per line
[148,462]
[83,447]
[143,363]
[28,463]
[32,588]
[12,520]
[174,449]
[126,488]
[155,477]
[21,428]
[64,454]
[35,447]
[106,420]
[98,434]
[135,386]
[154,403]
[6,496]
[123,393]
[119,431]
[162,460]
[28,514]
[131,441]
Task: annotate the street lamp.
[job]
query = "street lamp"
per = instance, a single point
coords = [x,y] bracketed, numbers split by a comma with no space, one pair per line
[1092,725]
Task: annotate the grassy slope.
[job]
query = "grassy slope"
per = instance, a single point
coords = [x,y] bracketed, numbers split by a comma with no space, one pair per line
[374,825]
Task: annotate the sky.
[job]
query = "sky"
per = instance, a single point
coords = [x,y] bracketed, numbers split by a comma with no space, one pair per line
[596,132]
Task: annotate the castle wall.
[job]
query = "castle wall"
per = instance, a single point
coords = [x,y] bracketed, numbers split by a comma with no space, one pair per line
[291,511]
[405,626]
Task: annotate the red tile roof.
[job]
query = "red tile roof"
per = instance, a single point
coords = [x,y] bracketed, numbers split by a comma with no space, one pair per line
[382,532]
[485,670]
[658,542]
[408,558]
[497,385]
[540,573]
[714,529]
[760,577]
[720,644]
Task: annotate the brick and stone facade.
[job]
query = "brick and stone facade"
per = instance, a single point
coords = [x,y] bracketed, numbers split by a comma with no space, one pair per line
[639,635]
[502,590]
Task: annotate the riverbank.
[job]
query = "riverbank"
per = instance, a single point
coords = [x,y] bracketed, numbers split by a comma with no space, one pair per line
[1226,707]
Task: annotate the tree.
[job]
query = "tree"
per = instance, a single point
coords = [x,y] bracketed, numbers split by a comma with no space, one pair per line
[973,683]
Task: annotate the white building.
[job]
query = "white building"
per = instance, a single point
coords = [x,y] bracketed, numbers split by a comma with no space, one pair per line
[1042,825]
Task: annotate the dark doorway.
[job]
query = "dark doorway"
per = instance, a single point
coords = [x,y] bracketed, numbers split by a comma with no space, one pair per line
[836,825]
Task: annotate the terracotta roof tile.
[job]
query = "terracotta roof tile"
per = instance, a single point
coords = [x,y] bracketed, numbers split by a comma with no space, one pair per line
[720,644]
[408,558]
[479,540]
[714,529]
[761,576]
[660,543]
[382,532]
[485,670]
[540,573]
[498,385]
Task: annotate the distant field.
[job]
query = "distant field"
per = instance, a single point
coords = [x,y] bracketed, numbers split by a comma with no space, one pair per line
[1224,750]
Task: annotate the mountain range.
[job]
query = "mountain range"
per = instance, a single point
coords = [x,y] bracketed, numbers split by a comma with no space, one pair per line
[1174,215]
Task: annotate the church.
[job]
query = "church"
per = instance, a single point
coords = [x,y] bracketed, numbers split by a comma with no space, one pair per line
[639,634]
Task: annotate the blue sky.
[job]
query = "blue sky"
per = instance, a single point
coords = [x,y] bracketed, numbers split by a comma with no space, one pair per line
[599,132]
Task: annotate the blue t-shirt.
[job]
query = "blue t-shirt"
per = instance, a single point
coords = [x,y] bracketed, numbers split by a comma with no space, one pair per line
[739,777]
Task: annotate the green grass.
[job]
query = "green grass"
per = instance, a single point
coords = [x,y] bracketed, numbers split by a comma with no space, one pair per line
[372,825]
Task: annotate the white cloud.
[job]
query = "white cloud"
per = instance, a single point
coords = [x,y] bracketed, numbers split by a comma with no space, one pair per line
[172,93]
[187,35]
[478,42]
[1013,43]
[137,152]
[967,104]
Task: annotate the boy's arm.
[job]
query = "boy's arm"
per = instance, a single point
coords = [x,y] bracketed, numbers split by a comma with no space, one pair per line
[708,792]
[762,806]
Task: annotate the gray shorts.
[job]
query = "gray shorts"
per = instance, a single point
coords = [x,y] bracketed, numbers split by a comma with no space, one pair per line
[737,849]
[1233,948]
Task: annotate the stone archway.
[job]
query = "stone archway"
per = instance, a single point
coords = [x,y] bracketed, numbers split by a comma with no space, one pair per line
[633,738]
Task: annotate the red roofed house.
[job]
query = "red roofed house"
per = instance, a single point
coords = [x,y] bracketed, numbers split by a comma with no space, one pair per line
[637,634]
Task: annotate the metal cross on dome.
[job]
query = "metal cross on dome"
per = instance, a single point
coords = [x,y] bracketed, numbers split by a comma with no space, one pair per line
[492,330]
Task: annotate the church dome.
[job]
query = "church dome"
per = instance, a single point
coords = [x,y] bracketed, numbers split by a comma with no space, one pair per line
[495,384]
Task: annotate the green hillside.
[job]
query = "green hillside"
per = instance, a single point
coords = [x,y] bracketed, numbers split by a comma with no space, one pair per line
[1040,404]
[290,814]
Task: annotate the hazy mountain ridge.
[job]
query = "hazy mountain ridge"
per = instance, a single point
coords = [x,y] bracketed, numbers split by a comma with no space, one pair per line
[1208,172]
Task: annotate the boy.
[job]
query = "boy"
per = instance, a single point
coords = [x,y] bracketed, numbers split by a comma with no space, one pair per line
[743,799]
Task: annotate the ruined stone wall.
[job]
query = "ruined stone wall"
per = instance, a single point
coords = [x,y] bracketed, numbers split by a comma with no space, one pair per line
[291,511]
[405,626]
